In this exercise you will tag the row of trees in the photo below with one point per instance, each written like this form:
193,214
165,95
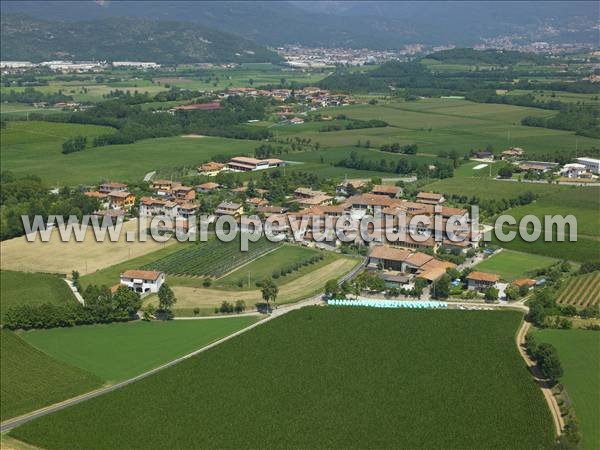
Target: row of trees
74,144
396,147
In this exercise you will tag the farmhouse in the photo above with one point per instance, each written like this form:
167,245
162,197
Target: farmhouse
207,188
184,193
537,166
211,169
121,199
150,206
143,281
481,281
385,189
523,282
188,209
484,155
229,209
246,164
296,121
430,198
164,187
513,152
106,188
574,170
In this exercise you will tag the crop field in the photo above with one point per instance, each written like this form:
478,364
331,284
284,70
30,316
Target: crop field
118,351
36,148
308,284
511,265
213,258
19,288
582,202
30,379
579,353
581,291
438,124
558,96
584,249
362,378
486,189
62,257
286,256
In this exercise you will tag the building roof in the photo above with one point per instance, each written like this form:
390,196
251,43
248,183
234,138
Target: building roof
371,200
523,282
119,194
246,160
151,275
229,205
386,189
389,253
209,185
95,194
211,166
113,186
162,182
483,276
430,196
316,200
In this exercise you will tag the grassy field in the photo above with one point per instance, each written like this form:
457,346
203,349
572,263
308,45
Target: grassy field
118,351
63,257
305,286
439,124
19,288
582,250
579,353
512,265
581,291
31,379
354,378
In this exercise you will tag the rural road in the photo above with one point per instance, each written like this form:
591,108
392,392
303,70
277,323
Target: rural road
149,175
559,423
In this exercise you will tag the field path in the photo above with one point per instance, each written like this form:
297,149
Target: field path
559,423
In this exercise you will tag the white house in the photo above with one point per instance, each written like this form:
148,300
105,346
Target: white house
143,281
574,170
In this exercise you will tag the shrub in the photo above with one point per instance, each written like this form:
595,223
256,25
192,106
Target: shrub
207,282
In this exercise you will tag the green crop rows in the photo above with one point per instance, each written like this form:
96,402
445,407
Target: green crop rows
213,258
327,377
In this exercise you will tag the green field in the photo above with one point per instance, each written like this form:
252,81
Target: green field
31,379
20,288
212,258
584,249
352,378
118,351
511,265
285,256
579,353
438,124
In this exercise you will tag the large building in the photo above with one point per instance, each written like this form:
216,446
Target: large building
246,164
591,164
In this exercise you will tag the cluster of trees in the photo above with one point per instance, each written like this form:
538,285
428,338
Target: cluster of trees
582,120
396,147
133,123
29,196
173,94
284,271
354,124
74,144
492,57
401,166
101,306
226,307
491,207
546,357
29,95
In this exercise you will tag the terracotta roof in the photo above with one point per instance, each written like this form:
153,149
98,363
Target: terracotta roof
113,185
523,282
418,259
95,194
430,196
210,166
119,194
389,253
371,200
152,275
482,276
386,188
209,185
246,160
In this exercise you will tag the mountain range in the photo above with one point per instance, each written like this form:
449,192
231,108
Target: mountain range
372,24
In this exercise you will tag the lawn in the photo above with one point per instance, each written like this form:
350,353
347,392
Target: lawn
119,351
30,379
354,378
19,288
579,353
511,265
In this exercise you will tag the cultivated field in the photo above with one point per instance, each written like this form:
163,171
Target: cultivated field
212,258
31,379
360,378
511,265
18,288
581,291
118,351
305,286
63,257
579,353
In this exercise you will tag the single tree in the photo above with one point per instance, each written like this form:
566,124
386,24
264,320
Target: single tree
331,288
166,297
269,291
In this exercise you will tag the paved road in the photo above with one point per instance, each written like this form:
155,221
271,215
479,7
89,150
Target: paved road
149,175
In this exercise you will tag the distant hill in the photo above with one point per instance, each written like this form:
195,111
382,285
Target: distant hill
373,24
119,39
